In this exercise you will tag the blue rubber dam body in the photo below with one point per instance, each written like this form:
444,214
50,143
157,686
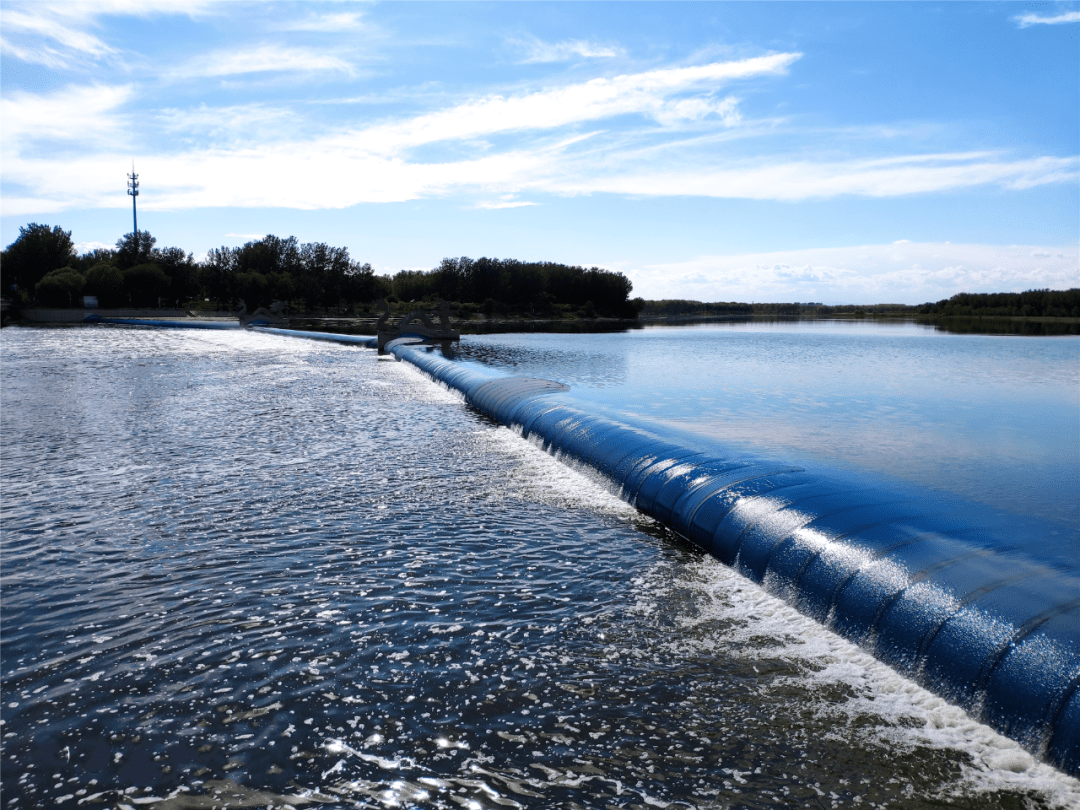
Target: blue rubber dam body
944,593
937,592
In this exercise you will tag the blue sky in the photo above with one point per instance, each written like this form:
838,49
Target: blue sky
841,152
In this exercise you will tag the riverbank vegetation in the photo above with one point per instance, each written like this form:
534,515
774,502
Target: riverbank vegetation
1064,304
42,268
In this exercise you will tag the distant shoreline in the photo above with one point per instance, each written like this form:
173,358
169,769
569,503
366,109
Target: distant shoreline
1033,325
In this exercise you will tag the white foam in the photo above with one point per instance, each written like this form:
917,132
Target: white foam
911,716
437,394
539,477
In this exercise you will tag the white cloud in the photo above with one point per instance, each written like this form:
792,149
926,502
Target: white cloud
637,93
328,23
1026,20
259,156
539,52
46,38
493,206
800,180
905,273
82,116
299,175
89,9
262,59
337,172
222,125
86,247
55,34
696,109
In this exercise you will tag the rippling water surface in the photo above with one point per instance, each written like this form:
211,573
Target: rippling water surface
249,571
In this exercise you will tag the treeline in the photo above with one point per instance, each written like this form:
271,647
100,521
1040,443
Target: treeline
275,269
677,307
1033,303
536,288
42,267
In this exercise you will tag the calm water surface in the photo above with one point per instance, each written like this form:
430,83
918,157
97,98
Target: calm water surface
994,419
252,571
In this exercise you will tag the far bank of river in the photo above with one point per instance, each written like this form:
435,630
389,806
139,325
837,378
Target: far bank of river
1027,326
1037,326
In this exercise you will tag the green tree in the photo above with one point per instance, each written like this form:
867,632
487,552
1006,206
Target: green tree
309,288
95,257
135,248
253,288
362,285
61,288
330,266
107,283
282,287
182,272
37,252
216,275
145,284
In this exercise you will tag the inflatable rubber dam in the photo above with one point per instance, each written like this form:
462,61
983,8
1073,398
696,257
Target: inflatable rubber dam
964,604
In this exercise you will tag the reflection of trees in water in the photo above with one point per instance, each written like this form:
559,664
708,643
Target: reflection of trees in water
1006,326
575,367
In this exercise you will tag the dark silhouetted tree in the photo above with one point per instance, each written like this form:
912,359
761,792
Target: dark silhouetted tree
254,289
182,272
38,251
135,248
216,275
145,284
107,283
95,257
61,288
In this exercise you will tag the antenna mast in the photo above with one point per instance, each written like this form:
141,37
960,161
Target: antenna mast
133,190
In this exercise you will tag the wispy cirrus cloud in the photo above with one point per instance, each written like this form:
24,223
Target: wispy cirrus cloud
537,51
267,58
89,9
1027,20
327,173
82,116
220,126
463,149
506,202
776,178
46,38
653,93
323,23
59,35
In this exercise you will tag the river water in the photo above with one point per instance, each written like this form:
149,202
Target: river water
252,571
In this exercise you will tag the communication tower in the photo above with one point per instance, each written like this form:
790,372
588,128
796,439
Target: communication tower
133,190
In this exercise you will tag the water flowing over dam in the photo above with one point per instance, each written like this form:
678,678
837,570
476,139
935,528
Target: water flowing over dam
261,567
955,602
